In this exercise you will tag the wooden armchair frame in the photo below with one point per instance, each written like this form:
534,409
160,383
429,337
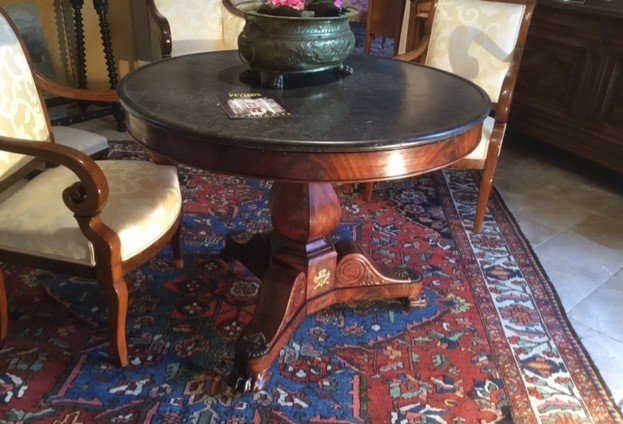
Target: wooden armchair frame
86,199
164,35
46,84
500,109
384,19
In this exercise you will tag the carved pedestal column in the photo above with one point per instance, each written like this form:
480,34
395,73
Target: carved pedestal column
302,272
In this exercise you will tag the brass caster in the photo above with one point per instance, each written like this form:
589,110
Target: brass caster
416,302
274,81
242,382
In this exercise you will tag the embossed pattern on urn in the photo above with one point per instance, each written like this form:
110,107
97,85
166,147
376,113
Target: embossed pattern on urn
278,45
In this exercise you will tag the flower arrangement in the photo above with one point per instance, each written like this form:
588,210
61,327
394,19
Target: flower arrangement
304,8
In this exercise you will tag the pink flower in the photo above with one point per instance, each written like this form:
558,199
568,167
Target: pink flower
294,4
337,3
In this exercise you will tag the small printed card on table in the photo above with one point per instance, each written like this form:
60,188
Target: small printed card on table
251,105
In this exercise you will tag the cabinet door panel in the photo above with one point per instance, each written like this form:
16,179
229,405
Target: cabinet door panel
570,86
555,86
612,109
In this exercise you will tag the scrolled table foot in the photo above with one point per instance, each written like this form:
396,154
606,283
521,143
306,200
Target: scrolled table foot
358,277
249,347
279,311
252,346
252,250
344,70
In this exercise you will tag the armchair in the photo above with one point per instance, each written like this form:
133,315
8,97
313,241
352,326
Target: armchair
482,41
192,26
92,219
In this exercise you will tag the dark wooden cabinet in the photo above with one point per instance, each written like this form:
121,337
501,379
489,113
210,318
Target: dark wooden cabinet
570,86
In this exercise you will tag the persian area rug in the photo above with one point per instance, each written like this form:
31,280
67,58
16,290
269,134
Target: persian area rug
491,344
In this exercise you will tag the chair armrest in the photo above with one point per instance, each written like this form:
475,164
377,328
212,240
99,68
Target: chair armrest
503,106
231,7
416,53
166,42
85,198
47,84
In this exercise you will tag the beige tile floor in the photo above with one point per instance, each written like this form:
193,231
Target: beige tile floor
572,214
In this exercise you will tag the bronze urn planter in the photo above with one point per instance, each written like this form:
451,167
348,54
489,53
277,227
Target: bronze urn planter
278,45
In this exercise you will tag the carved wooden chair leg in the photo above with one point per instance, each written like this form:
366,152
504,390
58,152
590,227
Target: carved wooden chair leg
176,246
483,200
117,296
4,309
486,184
368,188
396,46
368,46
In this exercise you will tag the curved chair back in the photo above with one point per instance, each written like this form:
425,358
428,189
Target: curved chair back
200,25
233,23
476,40
22,113
193,19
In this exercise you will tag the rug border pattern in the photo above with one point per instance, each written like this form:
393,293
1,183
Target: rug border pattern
583,390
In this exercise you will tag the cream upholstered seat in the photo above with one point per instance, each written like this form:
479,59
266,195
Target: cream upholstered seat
194,26
87,142
96,219
482,41
144,202
480,152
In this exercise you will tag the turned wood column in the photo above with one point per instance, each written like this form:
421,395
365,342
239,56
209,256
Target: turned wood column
81,67
101,7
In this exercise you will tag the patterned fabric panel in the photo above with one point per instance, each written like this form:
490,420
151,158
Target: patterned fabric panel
475,39
193,19
182,47
232,27
480,152
143,204
87,142
21,112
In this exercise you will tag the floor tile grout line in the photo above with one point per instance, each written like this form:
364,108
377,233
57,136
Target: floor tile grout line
596,330
603,283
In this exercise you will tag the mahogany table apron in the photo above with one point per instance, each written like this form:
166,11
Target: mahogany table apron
388,120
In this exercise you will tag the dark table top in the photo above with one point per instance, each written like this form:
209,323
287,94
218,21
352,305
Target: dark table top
385,105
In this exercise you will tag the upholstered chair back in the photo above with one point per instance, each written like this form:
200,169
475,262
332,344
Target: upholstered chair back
232,27
193,19
475,39
22,113
200,25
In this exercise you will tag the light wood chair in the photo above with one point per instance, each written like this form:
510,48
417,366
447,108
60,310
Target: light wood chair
92,219
192,26
482,41
384,20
